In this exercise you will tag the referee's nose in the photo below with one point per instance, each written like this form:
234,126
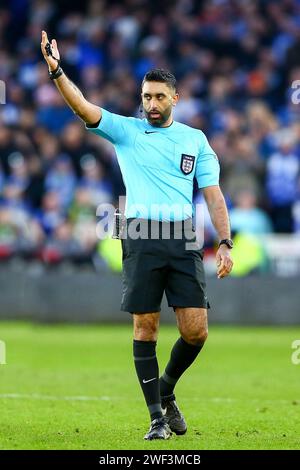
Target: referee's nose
153,105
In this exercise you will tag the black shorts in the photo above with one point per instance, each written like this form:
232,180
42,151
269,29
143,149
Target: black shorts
152,266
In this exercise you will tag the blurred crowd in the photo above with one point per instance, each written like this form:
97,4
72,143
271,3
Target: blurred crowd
235,61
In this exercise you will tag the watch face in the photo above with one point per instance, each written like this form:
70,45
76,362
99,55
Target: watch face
227,242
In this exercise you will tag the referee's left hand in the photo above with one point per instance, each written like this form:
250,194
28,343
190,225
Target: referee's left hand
224,261
52,60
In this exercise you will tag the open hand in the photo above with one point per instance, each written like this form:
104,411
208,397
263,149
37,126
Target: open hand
52,61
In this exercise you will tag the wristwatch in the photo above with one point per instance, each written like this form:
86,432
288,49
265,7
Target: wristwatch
228,242
56,73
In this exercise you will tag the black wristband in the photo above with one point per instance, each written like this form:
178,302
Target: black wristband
228,242
56,73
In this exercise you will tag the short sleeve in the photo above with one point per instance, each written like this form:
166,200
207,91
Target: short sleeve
207,167
111,127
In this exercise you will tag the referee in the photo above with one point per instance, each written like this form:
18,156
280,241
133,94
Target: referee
159,159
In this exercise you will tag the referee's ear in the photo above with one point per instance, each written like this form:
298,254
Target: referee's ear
175,99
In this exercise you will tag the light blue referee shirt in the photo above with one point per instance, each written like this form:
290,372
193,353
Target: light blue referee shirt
158,165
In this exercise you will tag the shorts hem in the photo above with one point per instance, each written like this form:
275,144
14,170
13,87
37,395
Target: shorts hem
140,311
206,306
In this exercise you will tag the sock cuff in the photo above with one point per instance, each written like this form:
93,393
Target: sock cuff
137,341
190,347
144,348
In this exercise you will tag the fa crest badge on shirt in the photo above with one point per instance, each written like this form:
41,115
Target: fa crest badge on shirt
187,163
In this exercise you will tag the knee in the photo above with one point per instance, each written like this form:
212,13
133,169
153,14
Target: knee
145,330
195,337
145,333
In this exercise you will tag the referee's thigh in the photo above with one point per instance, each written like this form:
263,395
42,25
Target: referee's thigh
144,275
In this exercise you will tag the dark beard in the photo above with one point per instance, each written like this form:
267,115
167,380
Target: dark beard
158,122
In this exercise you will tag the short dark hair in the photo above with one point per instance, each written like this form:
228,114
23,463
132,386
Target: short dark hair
160,75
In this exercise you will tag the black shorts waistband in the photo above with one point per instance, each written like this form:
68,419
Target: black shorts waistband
158,228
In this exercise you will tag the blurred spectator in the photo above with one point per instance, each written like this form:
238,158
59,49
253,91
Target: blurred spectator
35,187
243,169
63,246
246,217
18,171
17,236
51,213
82,215
93,180
61,179
283,181
82,208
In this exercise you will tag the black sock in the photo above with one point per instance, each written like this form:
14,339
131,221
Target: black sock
183,355
146,366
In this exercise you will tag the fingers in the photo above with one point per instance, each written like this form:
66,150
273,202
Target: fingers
219,260
54,48
44,42
44,38
222,271
224,267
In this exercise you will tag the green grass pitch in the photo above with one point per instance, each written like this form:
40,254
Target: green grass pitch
74,387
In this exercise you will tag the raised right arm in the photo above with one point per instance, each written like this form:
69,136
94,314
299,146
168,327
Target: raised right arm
88,112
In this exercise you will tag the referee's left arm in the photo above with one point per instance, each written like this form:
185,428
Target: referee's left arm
219,215
207,174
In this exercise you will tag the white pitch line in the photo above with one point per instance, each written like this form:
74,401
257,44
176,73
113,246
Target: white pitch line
252,400
38,396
